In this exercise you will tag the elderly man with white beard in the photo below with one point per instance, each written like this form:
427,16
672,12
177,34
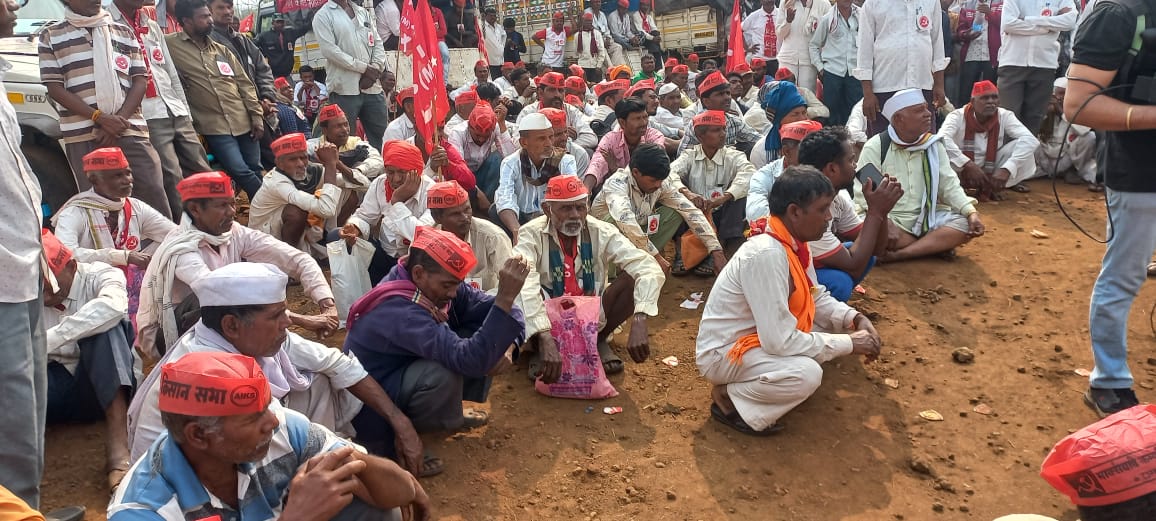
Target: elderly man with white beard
570,254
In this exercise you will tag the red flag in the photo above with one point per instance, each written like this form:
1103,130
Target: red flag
405,40
246,25
430,98
481,40
736,51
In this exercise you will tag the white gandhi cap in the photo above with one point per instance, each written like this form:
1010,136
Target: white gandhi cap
242,284
901,100
667,89
534,121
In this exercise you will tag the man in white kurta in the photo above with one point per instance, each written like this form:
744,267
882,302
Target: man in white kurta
1077,162
613,49
761,351
395,202
795,24
484,141
295,190
449,205
358,164
524,174
968,135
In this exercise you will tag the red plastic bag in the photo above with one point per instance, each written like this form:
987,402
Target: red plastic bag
1107,462
574,326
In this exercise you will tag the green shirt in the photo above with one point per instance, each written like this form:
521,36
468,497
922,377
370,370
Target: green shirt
644,76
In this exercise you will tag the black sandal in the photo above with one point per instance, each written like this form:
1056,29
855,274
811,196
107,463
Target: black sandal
677,268
431,466
611,363
735,421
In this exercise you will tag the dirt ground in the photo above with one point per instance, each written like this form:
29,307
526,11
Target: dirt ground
857,450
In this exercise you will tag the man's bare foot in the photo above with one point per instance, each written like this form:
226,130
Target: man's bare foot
719,395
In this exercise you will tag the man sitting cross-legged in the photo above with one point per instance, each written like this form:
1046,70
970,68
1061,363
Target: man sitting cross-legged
571,254
208,238
296,190
839,265
648,208
432,341
231,452
244,312
358,163
89,341
934,215
449,205
761,351
988,146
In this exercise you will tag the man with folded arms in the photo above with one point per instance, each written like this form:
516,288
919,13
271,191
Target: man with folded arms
763,352
296,190
571,254
229,449
358,164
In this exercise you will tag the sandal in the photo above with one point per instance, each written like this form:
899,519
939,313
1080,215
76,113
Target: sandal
735,421
117,474
535,366
1019,188
1096,187
474,418
677,268
611,363
431,466
704,270
1152,269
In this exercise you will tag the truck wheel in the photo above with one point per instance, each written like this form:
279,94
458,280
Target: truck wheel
53,172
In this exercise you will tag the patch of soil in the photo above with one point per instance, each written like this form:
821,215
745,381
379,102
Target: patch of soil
857,450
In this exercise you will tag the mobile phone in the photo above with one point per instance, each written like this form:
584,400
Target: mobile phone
869,171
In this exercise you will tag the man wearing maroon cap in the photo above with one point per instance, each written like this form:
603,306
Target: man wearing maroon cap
988,146
432,341
230,449
553,42
297,190
552,93
566,240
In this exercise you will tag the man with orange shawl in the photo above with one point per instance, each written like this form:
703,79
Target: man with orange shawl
763,353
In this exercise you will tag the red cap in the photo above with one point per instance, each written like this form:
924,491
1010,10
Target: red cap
56,253
743,69
712,81
647,84
213,383
451,253
680,69
559,16
624,4
104,159
483,118
692,58
783,73
289,144
508,66
280,83
552,79
520,65
406,94
467,98
799,129
403,155
758,62
206,185
574,100
670,63
446,194
710,118
577,72
588,16
557,117
611,86
1108,462
482,63
575,85
329,112
983,88
563,188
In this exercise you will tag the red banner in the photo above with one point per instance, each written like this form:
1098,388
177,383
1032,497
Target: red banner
246,25
736,51
289,6
405,40
430,98
481,40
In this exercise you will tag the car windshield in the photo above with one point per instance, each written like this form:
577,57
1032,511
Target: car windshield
35,14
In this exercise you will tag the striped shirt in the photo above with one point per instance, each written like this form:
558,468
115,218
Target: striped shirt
163,485
66,57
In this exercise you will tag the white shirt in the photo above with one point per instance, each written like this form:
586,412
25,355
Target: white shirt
278,191
668,119
514,193
85,231
495,38
727,172
638,17
844,221
503,143
170,92
1010,129
621,26
754,33
350,46
835,45
398,221
795,37
857,124
388,19
1031,29
323,91
759,190
96,303
750,296
554,47
895,52
599,22
587,59
20,214
400,129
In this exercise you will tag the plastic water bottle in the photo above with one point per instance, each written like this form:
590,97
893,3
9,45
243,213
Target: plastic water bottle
980,19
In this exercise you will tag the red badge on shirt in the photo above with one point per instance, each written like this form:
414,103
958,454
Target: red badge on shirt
132,243
924,22
158,56
121,63
1046,12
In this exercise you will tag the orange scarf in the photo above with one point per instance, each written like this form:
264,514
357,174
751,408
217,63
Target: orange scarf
800,302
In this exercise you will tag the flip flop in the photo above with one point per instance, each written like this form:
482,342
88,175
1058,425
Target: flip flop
735,421
703,270
611,363
474,418
678,269
115,476
1096,187
431,466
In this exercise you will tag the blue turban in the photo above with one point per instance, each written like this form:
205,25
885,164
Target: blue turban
781,97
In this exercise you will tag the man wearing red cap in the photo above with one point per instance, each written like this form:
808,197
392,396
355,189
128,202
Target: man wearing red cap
591,47
402,127
600,24
714,94
815,108
760,37
230,448
502,79
494,37
576,94
566,240
524,174
648,207
669,112
89,339
296,190
449,205
563,143
553,42
647,28
481,77
432,341
209,238
395,203
484,141
609,93
647,91
358,163
464,103
790,135
617,146
104,223
679,76
622,28
552,93
649,70
715,178
988,146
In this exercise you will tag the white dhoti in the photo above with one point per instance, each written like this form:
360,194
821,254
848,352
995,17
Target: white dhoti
1079,156
614,51
765,387
326,405
1026,169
